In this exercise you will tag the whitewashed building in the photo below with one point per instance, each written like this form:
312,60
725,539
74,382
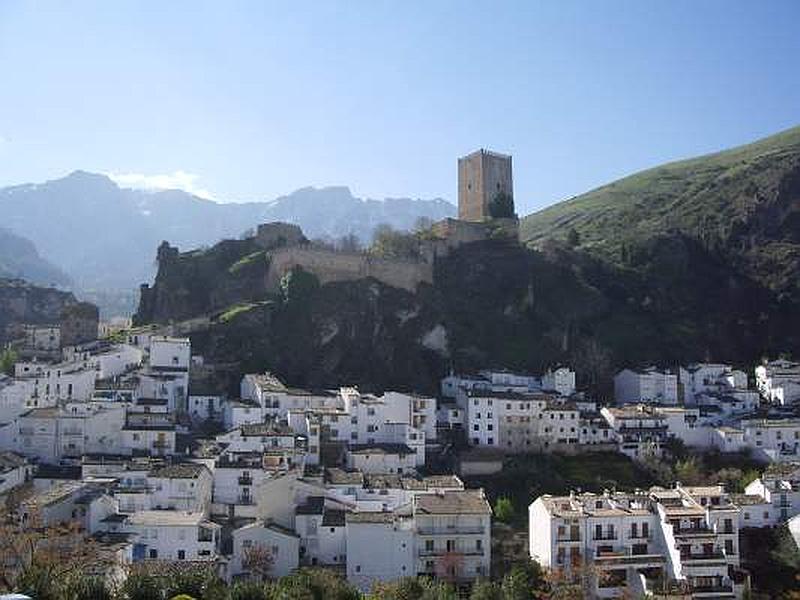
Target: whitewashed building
779,381
651,386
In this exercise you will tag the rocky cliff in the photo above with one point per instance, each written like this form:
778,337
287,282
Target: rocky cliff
24,303
492,303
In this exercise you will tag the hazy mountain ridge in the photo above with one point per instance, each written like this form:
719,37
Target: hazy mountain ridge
105,236
19,258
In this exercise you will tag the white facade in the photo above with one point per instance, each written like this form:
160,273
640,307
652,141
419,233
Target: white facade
253,543
779,381
382,458
686,535
648,385
170,535
640,430
380,547
704,378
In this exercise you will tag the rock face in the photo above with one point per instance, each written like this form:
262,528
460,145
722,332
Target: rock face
24,303
492,303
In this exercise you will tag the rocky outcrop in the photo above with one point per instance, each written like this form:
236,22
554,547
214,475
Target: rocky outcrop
24,303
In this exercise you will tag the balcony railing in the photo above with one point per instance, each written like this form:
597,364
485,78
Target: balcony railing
717,555
443,551
456,530
606,536
701,530
246,500
161,444
245,480
568,538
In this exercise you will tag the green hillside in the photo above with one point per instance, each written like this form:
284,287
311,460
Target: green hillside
742,204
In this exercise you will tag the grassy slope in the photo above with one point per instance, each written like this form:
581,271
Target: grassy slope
703,197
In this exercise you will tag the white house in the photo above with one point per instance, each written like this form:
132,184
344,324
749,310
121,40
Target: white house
380,547
640,430
779,381
647,385
169,534
453,534
704,378
265,546
15,470
381,458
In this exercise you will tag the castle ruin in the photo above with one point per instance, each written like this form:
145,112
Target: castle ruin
485,210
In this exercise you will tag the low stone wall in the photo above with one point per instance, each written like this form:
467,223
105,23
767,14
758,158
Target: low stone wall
329,266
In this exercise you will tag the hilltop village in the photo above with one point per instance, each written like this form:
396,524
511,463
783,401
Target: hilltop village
117,436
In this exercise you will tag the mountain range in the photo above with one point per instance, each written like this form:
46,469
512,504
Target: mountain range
104,236
19,258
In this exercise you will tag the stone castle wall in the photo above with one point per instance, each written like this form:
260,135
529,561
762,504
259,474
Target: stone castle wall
329,266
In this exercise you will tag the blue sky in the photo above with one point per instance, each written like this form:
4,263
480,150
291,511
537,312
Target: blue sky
251,100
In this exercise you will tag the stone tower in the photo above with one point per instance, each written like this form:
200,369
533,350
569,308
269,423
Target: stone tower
482,177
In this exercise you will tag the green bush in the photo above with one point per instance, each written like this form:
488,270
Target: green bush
504,510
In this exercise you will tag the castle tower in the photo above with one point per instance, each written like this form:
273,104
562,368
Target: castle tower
485,186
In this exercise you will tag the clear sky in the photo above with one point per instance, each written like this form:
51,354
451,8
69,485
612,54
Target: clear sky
251,100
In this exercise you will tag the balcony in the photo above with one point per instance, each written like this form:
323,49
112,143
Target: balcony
456,530
245,500
245,480
567,538
704,558
606,537
442,551
161,444
703,530
72,433
625,557
711,591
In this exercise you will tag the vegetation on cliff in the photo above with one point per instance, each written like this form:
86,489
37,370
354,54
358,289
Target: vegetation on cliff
742,205
691,261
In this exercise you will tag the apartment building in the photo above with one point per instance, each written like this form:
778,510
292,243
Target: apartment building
686,538
640,430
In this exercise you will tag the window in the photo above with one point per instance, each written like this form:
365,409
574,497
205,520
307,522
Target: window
153,553
428,545
490,441
181,554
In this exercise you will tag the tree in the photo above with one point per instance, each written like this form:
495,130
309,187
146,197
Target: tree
526,580
39,559
573,238
315,584
250,590
258,560
486,590
504,510
501,206
298,285
422,224
688,472
349,243
7,359
387,242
